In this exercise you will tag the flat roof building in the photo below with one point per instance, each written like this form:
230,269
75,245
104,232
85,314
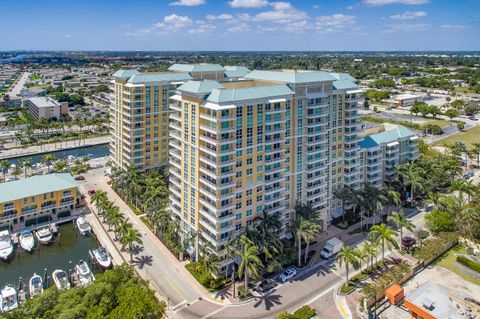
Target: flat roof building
33,199
46,108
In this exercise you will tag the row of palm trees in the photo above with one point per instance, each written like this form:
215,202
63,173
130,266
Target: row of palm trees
124,231
381,237
49,160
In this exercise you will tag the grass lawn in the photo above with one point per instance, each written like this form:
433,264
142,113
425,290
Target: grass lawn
468,137
448,261
439,122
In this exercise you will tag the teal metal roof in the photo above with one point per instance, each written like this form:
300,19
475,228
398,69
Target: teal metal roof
344,84
202,67
291,76
343,76
393,133
158,77
125,74
35,185
236,71
200,87
248,93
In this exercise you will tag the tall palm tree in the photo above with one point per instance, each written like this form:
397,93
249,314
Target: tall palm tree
476,151
411,177
463,187
98,198
393,199
348,256
345,195
131,237
5,165
17,172
386,235
401,221
26,163
437,200
60,166
307,212
48,159
305,230
369,250
250,264
121,229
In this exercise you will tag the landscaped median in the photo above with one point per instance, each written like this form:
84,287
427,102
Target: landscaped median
305,312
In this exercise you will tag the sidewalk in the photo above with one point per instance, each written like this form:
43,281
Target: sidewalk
33,150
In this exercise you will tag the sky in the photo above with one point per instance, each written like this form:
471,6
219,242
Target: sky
240,25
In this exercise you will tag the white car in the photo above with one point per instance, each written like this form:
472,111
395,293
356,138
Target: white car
288,274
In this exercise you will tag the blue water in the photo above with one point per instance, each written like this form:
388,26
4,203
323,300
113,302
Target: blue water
94,151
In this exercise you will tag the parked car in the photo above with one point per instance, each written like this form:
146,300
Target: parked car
265,285
91,192
288,274
468,175
79,178
473,118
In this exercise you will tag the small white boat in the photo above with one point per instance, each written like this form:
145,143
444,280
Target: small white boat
85,275
102,257
83,226
6,246
35,285
26,240
8,299
44,235
60,278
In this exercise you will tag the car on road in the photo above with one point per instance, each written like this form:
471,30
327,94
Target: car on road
79,178
91,192
468,175
288,274
473,118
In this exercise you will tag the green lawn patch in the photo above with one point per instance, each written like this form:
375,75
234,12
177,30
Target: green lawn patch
469,263
448,261
347,289
468,137
305,312
439,122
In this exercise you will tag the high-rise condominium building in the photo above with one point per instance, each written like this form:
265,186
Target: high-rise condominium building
140,113
262,144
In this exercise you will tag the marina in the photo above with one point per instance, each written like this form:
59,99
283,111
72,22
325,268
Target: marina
65,261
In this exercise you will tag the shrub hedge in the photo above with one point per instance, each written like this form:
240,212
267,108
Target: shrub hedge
468,263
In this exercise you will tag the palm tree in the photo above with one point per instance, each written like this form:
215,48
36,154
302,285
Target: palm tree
386,235
305,230
411,177
463,187
369,250
5,165
48,159
307,212
437,200
345,195
348,256
401,221
122,228
17,172
98,198
250,265
131,237
26,163
476,151
60,166
393,199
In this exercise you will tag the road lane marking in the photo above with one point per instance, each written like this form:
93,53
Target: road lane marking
213,313
171,284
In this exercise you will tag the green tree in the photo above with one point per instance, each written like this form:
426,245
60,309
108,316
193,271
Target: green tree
60,166
401,221
26,163
131,237
348,256
386,235
48,160
439,221
476,151
250,264
460,126
452,113
5,165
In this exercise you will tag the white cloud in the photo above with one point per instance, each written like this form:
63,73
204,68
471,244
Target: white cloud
283,12
452,27
335,22
223,16
404,27
67,36
243,27
409,15
384,2
248,3
188,3
350,7
202,27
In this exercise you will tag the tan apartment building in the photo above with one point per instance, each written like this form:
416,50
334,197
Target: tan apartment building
241,148
45,107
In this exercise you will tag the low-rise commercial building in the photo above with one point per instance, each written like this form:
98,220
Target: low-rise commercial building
382,149
37,199
46,108
404,100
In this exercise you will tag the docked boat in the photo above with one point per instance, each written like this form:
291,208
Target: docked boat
6,246
26,240
60,278
35,285
85,275
102,257
44,235
83,226
8,299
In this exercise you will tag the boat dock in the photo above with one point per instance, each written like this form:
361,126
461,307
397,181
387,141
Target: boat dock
105,240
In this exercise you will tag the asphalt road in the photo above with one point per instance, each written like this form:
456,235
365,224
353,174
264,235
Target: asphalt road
19,85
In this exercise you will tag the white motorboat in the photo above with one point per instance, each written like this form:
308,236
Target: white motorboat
8,298
44,235
35,285
83,226
85,275
6,246
26,240
60,278
102,257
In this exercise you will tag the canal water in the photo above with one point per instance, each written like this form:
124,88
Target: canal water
93,151
67,250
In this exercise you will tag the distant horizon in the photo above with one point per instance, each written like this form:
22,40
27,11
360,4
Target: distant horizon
243,51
